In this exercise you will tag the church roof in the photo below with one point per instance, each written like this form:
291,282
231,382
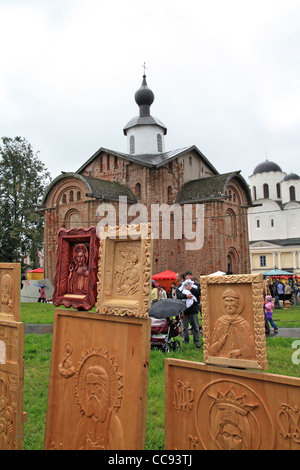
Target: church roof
266,167
291,176
144,121
150,160
97,188
209,189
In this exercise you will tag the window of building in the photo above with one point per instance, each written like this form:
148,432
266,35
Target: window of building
100,164
292,193
108,158
116,162
254,193
272,222
230,223
159,143
262,261
278,190
257,223
132,144
78,196
266,191
64,199
71,196
138,190
190,161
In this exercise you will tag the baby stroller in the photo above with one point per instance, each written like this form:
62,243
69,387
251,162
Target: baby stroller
164,332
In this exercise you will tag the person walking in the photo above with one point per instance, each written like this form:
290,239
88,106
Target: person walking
269,306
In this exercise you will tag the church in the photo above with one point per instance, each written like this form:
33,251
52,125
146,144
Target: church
150,175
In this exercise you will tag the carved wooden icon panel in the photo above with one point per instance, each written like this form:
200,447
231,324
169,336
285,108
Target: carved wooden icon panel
98,382
11,384
125,269
233,321
217,408
10,285
75,281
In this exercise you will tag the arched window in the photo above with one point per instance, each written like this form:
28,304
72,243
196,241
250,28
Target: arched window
230,223
266,191
138,190
292,193
132,144
159,143
72,219
71,196
64,199
78,196
278,190
254,193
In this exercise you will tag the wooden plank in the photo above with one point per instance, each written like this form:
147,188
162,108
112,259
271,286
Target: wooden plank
11,384
10,291
98,381
218,408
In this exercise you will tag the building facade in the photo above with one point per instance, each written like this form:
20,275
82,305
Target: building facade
274,219
180,184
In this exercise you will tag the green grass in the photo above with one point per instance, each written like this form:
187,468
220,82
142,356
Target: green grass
37,356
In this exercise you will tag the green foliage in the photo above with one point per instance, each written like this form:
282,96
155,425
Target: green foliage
23,179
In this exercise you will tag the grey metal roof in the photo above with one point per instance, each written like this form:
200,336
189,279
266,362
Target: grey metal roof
209,188
151,160
144,121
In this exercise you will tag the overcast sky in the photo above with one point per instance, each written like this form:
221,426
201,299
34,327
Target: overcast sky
225,74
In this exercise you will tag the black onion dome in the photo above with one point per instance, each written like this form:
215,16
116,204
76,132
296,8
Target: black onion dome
144,97
266,167
291,176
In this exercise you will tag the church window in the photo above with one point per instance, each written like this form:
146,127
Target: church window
138,190
159,143
71,196
101,164
132,144
230,223
116,162
272,222
72,219
170,166
257,223
254,193
278,190
107,162
292,193
266,191
190,161
78,196
64,199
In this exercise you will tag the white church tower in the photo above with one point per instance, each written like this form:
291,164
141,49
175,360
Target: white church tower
145,133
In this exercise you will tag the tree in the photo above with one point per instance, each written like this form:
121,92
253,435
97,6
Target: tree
23,180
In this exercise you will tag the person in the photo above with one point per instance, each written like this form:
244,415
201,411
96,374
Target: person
42,292
162,293
269,312
173,290
154,293
288,292
190,315
275,294
280,290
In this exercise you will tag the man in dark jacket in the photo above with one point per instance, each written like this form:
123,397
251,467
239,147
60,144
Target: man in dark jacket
190,315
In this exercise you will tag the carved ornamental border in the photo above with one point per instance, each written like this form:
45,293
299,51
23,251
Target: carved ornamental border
10,291
125,270
259,359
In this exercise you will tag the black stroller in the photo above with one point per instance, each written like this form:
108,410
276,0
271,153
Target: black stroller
164,327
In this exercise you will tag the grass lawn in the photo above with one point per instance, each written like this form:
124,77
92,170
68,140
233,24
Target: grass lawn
37,355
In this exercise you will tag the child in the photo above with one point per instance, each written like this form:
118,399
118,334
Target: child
269,312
